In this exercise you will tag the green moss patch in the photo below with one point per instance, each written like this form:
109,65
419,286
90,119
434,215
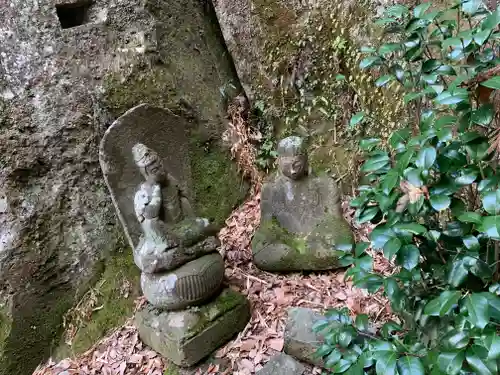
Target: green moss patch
115,291
218,188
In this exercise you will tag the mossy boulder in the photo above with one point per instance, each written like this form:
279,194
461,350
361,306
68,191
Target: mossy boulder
188,336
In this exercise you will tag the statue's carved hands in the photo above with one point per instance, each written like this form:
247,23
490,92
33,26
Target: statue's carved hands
151,211
140,202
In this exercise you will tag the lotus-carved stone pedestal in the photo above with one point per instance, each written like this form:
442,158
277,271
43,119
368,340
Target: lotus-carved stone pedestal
189,314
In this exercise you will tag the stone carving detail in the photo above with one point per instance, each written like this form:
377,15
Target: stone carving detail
173,240
172,235
301,218
189,314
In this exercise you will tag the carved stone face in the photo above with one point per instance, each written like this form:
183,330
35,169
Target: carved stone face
293,167
149,163
154,172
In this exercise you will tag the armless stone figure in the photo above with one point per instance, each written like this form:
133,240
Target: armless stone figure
301,226
177,252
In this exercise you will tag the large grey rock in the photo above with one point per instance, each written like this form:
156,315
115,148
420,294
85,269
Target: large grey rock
191,284
282,364
60,88
186,337
301,341
301,219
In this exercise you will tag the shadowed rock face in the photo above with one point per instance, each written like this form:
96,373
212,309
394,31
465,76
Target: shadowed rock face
61,86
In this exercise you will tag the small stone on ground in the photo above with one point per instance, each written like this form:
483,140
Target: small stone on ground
300,339
282,364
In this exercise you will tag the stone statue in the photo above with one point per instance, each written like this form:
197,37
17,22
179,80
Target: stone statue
301,226
173,240
189,313
172,235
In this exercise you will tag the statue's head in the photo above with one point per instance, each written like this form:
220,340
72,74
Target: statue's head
149,162
292,157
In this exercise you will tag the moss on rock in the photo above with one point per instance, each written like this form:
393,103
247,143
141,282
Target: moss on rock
218,188
114,293
276,249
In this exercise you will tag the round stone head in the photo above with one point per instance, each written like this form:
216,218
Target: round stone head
292,157
149,162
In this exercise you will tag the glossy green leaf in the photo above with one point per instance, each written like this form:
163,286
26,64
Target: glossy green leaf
413,228
451,42
491,226
426,157
410,366
382,81
478,310
404,160
440,202
392,247
375,163
414,177
367,49
471,242
447,98
341,366
470,217
478,364
441,305
492,83
492,20
455,339
361,322
491,202
419,10
332,358
417,24
368,144
471,6
484,115
345,338
369,61
430,65
412,96
386,363
492,342
466,177
390,181
458,273
389,48
323,350
356,119
481,36
451,362
408,256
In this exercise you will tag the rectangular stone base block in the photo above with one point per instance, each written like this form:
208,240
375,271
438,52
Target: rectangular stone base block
188,336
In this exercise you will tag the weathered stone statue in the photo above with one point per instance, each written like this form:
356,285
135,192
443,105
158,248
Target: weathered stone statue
189,314
172,235
301,226
171,242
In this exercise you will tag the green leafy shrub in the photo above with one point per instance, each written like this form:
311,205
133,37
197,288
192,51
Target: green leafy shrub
433,194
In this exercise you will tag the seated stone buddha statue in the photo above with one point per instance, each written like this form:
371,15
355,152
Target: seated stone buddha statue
177,252
301,228
172,235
